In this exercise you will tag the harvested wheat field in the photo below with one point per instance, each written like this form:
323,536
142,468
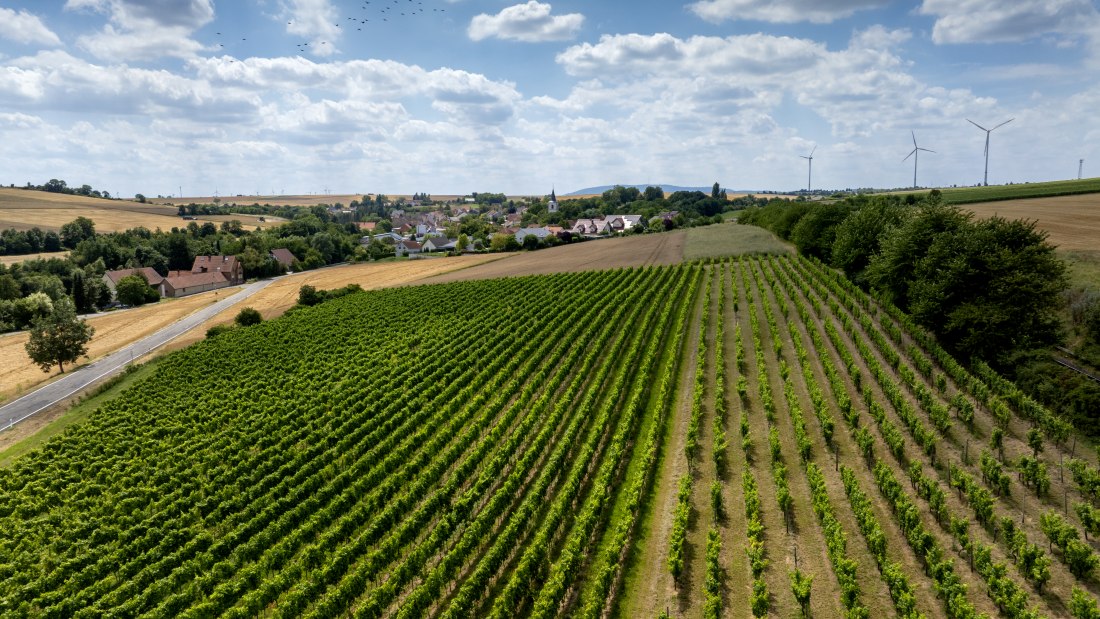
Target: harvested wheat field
1072,221
25,257
283,294
23,209
308,200
112,332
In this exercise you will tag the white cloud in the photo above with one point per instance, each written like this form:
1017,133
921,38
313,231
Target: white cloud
781,11
144,30
990,21
314,20
530,23
139,14
25,28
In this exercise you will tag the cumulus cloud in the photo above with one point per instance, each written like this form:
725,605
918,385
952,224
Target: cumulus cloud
992,21
138,14
145,29
781,11
25,28
530,23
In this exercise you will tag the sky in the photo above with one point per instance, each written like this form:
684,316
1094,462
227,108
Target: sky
455,96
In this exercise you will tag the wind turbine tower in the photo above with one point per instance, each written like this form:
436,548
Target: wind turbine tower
810,174
915,154
1080,168
985,179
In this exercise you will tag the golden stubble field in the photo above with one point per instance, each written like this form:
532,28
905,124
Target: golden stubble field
1073,222
22,210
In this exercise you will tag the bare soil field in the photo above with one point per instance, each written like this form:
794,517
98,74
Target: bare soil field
627,251
25,257
1073,222
22,210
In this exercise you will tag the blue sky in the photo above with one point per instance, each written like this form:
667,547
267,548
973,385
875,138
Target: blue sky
454,96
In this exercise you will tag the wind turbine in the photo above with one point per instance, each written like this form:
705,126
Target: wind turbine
810,174
915,154
985,180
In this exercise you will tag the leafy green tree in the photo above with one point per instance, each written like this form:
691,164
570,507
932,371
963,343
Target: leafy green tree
309,295
134,290
716,191
858,237
248,317
9,288
815,233
76,231
990,289
58,338
892,270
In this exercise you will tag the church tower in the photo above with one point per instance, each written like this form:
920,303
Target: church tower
552,205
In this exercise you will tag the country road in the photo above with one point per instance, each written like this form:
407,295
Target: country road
80,378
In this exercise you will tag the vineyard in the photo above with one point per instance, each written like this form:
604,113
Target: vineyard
748,437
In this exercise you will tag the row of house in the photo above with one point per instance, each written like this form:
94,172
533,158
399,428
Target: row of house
611,224
207,273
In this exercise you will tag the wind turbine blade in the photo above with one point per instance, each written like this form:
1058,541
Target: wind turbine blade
977,125
813,151
914,139
1003,124
805,157
911,153
926,150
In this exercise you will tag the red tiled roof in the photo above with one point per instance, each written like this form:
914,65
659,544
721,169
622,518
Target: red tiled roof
151,275
284,256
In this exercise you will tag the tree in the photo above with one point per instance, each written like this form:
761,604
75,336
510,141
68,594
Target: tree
859,235
308,295
248,317
716,191
134,290
140,198
462,243
76,231
530,242
58,338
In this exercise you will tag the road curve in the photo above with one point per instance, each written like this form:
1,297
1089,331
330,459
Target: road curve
79,379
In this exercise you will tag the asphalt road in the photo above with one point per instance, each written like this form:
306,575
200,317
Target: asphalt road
79,379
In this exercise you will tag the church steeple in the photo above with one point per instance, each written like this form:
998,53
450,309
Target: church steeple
553,196
552,205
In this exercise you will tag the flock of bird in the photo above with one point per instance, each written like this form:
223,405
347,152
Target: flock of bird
384,12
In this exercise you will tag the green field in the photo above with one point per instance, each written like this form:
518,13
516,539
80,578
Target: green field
993,193
604,443
731,239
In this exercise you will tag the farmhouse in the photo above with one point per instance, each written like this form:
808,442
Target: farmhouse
283,256
406,247
228,266
183,283
111,278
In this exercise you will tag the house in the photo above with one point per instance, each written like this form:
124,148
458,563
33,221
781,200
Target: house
384,237
406,247
368,226
228,266
439,244
284,256
590,227
111,278
183,283
539,233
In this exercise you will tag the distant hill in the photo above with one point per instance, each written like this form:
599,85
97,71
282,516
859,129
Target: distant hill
667,189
